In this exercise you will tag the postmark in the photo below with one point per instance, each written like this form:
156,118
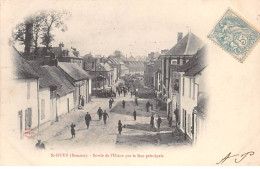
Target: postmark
29,133
233,34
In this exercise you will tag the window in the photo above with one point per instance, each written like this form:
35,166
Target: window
183,86
28,90
190,88
42,109
174,62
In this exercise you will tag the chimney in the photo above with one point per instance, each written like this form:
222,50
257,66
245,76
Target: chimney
179,36
61,45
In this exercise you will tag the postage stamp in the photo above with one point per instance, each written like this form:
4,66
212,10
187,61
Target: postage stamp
235,35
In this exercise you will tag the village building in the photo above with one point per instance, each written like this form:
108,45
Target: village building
24,84
179,54
81,81
135,67
189,94
152,65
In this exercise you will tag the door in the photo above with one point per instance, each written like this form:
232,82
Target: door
194,127
68,104
20,114
185,123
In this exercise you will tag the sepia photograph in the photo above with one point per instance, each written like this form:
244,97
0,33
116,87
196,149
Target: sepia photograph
130,82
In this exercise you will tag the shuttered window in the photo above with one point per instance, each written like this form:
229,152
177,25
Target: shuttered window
28,118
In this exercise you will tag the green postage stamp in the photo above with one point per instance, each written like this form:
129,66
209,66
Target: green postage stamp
234,35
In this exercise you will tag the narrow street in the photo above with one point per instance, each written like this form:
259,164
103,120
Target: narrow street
135,133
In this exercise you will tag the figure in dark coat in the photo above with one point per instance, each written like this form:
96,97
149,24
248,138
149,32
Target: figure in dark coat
152,121
72,126
39,145
88,119
147,106
159,121
110,103
120,127
82,101
105,116
100,112
123,104
136,101
170,121
134,113
131,93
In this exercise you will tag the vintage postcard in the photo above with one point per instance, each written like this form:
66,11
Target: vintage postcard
126,83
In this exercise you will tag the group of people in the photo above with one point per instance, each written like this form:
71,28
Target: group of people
102,114
122,90
154,121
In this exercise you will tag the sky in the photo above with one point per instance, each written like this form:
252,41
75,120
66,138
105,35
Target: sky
133,27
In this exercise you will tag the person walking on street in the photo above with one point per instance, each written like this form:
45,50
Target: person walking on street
134,113
82,101
72,126
105,116
120,127
159,121
170,121
124,92
131,93
152,121
136,101
88,119
123,104
147,106
110,103
100,112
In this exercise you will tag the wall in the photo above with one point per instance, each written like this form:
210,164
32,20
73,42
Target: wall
62,104
188,101
44,105
20,102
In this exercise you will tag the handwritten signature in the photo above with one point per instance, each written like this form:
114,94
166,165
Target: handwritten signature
238,159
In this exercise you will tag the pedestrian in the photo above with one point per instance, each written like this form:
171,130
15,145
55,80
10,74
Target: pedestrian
88,119
136,101
119,92
159,121
134,113
105,116
110,103
39,145
72,126
82,101
124,92
120,127
170,121
147,106
131,93
123,104
152,121
100,112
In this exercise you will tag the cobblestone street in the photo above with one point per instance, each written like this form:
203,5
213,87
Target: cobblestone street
135,133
